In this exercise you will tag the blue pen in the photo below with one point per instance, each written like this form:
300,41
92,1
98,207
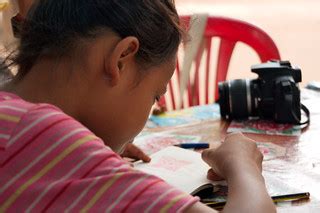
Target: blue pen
193,145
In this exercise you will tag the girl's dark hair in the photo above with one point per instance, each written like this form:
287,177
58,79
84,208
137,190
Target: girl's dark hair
54,28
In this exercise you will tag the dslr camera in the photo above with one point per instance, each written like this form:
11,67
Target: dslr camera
274,95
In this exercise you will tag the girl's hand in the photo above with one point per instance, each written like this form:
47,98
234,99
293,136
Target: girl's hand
235,155
132,151
239,161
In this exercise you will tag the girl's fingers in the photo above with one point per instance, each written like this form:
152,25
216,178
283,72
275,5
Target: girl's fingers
132,151
211,175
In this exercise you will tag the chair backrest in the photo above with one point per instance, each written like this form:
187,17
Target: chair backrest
230,31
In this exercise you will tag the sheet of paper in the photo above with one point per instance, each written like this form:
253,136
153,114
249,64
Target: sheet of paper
181,168
271,151
186,170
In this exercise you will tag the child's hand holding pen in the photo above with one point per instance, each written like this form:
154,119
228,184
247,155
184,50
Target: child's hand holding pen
239,162
235,152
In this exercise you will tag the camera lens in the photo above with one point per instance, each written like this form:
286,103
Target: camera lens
235,99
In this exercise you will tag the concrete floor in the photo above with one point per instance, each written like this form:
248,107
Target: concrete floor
294,25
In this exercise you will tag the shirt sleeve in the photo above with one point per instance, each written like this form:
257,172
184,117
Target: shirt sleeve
123,189
110,184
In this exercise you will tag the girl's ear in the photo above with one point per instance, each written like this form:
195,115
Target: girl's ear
122,56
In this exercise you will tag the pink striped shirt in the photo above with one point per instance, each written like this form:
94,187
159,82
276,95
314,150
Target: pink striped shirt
50,162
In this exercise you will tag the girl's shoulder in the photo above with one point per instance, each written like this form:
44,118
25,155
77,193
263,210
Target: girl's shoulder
13,105
21,120
70,166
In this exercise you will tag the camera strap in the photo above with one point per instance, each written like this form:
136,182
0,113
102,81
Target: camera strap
307,112
289,103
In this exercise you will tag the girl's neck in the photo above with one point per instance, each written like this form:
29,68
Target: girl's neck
42,85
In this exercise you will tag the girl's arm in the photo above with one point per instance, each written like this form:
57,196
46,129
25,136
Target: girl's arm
247,193
239,162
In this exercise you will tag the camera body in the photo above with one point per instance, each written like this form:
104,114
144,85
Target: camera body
273,95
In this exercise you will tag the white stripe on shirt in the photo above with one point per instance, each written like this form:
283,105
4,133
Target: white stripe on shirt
43,154
13,108
93,183
34,123
4,136
154,203
126,192
68,175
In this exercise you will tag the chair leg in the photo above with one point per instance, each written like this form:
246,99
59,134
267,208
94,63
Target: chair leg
225,52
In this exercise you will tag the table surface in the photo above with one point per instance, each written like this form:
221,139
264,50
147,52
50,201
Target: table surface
298,167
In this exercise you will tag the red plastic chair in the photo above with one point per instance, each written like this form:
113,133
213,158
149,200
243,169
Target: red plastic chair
230,32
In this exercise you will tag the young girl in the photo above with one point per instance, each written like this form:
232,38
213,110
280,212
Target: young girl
88,74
